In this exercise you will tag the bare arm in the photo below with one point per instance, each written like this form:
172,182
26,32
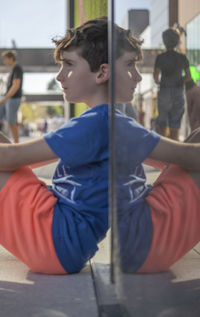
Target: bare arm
13,89
185,155
13,156
156,74
187,75
189,98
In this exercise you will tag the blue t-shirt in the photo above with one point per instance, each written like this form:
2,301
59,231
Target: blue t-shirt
80,182
133,145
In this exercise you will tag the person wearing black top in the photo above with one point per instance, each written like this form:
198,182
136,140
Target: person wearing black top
12,99
170,65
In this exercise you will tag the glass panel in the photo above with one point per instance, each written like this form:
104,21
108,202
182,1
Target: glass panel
85,10
140,242
193,47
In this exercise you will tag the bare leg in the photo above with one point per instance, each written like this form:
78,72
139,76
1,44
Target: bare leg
161,131
14,131
174,134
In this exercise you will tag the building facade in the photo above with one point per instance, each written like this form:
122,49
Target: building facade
159,21
170,12
80,11
189,18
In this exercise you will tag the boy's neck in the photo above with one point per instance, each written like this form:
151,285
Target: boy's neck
171,49
97,103
98,99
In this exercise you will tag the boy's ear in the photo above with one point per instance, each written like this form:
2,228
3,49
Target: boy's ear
103,74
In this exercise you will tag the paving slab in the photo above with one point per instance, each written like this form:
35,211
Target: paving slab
27,294
107,300
174,293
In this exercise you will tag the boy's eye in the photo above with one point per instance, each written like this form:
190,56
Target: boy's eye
68,63
131,64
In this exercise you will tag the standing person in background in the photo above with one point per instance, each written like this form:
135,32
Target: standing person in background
129,109
12,98
193,104
170,66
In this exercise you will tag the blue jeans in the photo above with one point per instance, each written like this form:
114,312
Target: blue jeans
9,110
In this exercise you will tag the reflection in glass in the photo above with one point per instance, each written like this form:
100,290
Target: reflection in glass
152,230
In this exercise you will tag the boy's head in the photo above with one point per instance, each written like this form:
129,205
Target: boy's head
9,57
84,72
91,41
171,38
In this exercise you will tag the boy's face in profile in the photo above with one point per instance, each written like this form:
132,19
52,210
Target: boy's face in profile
126,76
76,78
79,82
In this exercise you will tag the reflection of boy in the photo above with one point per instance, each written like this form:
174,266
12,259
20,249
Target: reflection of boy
56,229
170,64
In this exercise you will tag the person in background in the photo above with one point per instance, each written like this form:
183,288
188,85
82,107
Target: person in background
12,98
170,65
129,109
193,104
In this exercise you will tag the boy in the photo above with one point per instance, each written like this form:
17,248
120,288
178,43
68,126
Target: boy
56,229
12,99
170,65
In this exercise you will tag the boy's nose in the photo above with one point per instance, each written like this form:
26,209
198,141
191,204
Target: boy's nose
139,77
58,77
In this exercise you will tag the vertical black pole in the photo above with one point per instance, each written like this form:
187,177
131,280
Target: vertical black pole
71,13
112,168
70,24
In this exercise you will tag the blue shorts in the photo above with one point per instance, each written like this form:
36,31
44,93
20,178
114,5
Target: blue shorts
170,107
9,110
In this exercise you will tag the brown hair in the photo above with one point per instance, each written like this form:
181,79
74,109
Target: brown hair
171,37
91,40
9,54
